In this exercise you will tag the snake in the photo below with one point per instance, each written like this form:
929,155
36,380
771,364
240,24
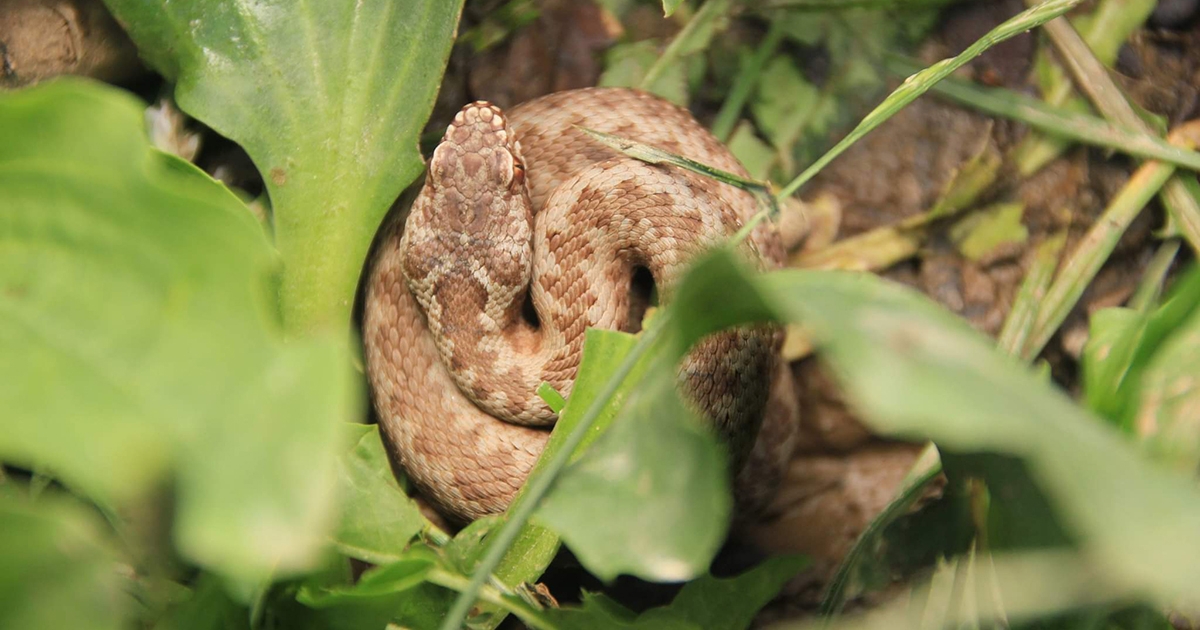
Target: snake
526,232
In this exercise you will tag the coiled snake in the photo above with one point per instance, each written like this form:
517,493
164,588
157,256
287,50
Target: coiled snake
527,204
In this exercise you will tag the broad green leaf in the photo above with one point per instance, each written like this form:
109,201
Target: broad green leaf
602,613
651,497
1010,509
753,153
328,98
388,579
1122,342
1167,416
864,565
728,603
56,571
139,335
463,551
392,593
787,104
706,602
915,370
378,518
981,232
1113,338
625,65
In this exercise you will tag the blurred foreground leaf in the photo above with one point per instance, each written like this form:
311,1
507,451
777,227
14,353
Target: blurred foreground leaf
915,370
55,569
139,336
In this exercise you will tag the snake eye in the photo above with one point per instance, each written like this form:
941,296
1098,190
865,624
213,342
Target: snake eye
518,173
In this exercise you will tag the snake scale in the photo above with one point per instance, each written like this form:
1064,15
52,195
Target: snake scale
524,207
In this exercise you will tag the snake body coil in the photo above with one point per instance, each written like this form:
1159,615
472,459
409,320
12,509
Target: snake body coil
527,205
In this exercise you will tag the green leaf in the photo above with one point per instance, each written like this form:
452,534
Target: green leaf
728,603
981,232
328,98
392,593
208,607
866,565
463,551
787,104
389,579
754,154
707,602
1168,413
1121,344
915,370
625,65
624,507
1113,338
136,325
378,518
56,571
983,590
670,6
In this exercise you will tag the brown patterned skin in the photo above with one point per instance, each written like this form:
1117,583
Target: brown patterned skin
528,204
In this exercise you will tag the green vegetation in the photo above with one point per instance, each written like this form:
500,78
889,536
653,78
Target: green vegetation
182,421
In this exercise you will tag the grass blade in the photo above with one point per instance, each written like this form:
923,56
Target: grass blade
1093,78
1019,324
1056,121
1099,242
922,81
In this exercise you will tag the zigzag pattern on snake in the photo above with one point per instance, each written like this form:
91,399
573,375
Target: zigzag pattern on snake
525,206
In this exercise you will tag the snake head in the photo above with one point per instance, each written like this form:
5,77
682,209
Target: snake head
477,166
469,232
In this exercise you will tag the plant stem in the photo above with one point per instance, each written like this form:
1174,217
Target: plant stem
1019,324
1106,28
